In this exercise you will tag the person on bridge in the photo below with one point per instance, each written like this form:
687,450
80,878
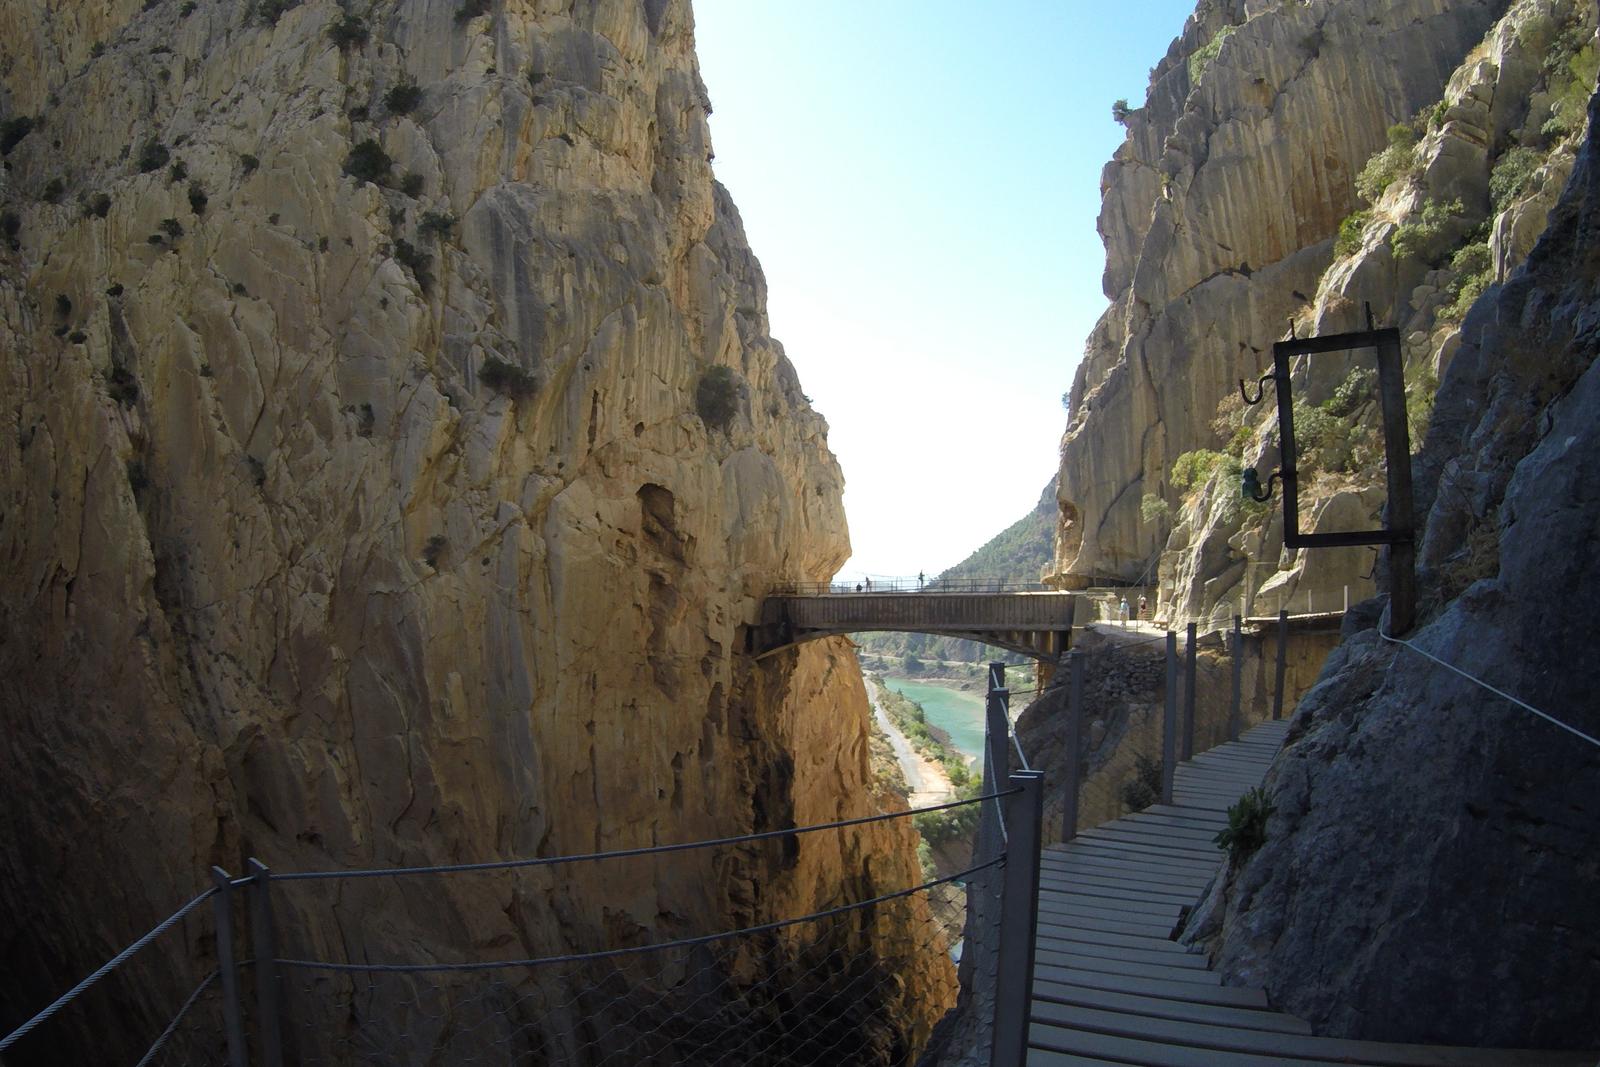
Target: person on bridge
1144,604
869,585
919,581
1122,612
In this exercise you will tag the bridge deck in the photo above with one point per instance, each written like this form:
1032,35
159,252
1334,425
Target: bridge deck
1110,988
1034,623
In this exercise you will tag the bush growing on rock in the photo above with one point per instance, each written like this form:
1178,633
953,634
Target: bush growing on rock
1201,57
470,10
507,379
348,32
1428,238
368,162
270,11
1247,826
1389,165
716,398
1511,174
1192,469
12,131
436,224
1153,509
1350,231
1120,111
402,99
153,156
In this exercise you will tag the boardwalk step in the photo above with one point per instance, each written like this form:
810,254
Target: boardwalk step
1167,1008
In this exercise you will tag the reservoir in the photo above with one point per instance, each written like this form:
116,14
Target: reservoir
957,713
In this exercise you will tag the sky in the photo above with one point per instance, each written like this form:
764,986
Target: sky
920,180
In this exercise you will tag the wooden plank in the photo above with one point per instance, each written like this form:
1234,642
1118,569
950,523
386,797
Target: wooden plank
1191,992
1133,866
1080,917
1159,972
1097,936
1120,891
1167,1008
1194,849
1159,917
1188,813
1143,886
1112,899
1045,1057
1183,838
1180,878
1170,956
1148,1053
1327,1049
1107,843
1205,826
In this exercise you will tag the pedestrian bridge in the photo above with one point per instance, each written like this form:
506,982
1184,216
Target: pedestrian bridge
1029,620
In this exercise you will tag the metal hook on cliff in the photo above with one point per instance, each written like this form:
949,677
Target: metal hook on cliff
1261,389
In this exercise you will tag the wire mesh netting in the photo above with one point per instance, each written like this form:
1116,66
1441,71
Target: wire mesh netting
153,1005
831,990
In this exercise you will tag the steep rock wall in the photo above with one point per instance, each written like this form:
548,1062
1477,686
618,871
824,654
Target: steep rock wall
1217,215
363,523
1428,874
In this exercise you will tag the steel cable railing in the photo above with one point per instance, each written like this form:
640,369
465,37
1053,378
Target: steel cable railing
740,995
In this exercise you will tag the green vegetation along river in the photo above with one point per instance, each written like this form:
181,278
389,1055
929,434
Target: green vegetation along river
956,712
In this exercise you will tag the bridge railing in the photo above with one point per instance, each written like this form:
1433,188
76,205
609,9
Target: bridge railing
879,584
374,965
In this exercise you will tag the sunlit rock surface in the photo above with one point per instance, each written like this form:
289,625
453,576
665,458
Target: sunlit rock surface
363,524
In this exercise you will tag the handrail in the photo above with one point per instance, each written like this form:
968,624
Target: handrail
627,853
687,942
913,585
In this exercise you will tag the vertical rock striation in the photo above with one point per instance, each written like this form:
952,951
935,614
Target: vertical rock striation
358,508
1429,872
1217,216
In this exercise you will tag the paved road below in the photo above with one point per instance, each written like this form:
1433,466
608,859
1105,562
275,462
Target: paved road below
928,782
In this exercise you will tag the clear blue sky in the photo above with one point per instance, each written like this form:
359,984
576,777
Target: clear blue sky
920,180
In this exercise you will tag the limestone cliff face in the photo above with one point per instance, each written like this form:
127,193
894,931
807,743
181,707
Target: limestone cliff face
1429,872
1217,215
1220,216
366,522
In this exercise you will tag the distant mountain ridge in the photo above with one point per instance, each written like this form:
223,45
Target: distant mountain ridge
1016,554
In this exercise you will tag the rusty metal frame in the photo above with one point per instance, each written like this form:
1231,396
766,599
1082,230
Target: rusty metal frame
1400,538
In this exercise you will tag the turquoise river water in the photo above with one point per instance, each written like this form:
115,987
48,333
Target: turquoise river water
957,713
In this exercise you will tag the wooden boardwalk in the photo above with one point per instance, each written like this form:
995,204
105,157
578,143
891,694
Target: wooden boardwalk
1110,987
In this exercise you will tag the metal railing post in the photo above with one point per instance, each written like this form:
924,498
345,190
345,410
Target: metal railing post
265,946
222,911
1169,720
1188,694
1069,771
1013,995
997,676
1237,644
997,737
1283,653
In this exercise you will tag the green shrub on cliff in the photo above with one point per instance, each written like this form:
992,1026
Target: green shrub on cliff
1247,826
1201,57
1428,238
368,162
1350,231
1389,165
508,379
1512,172
1192,469
716,398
